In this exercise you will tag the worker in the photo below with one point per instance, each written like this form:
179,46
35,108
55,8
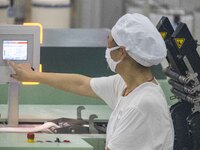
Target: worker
140,118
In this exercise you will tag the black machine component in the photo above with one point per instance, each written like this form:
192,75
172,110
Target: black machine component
186,46
70,126
183,59
179,112
183,71
79,126
76,126
165,28
182,88
173,56
194,128
189,98
172,74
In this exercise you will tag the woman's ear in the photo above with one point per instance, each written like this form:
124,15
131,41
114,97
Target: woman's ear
123,52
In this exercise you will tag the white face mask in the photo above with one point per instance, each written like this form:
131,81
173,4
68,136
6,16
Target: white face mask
111,63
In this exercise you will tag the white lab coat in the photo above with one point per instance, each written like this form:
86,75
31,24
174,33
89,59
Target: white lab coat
139,121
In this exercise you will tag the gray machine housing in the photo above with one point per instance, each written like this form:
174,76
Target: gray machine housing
31,34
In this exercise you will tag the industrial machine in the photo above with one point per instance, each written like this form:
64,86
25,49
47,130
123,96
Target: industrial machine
21,45
184,77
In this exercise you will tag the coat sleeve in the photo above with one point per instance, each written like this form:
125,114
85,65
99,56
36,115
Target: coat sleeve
106,89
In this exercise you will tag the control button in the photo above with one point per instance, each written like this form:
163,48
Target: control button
57,140
38,141
49,141
30,137
66,141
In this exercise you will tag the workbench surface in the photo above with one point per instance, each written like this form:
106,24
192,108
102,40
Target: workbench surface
18,141
42,113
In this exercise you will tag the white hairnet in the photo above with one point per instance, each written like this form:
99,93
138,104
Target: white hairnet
140,37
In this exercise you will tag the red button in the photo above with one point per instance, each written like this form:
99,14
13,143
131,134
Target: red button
66,141
30,135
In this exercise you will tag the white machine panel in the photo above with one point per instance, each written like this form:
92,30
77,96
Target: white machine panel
19,44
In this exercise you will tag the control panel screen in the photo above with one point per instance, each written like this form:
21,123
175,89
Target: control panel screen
15,50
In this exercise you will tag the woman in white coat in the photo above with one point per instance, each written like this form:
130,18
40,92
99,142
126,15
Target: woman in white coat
140,119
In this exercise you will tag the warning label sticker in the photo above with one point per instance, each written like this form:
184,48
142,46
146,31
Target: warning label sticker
179,42
163,34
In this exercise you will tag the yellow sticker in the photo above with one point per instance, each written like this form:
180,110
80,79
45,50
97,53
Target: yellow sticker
179,42
163,34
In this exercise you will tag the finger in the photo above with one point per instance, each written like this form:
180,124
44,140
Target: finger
12,65
14,76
